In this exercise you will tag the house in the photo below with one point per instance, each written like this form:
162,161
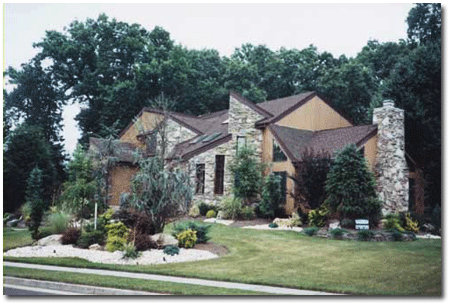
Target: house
279,130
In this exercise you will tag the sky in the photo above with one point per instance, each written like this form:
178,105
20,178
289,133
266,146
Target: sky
335,28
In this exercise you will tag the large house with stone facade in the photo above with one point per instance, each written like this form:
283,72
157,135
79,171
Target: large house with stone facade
279,130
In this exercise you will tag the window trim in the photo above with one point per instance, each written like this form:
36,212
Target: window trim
282,155
218,188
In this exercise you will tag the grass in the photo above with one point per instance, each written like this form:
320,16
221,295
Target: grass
290,259
124,283
15,237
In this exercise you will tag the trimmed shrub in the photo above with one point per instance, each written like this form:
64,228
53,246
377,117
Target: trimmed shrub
273,225
130,251
391,222
204,208
201,230
317,217
211,214
311,231
272,197
142,242
232,208
88,238
187,238
337,233
44,232
171,250
247,213
70,236
365,235
116,236
194,211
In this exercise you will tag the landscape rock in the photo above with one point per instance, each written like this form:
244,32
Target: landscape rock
95,247
50,240
163,240
334,224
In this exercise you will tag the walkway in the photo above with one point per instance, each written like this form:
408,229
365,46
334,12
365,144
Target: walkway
191,281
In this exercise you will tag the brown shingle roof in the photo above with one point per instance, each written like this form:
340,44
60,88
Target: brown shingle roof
295,141
123,151
190,148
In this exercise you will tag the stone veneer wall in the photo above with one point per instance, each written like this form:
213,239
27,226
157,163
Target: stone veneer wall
391,169
176,133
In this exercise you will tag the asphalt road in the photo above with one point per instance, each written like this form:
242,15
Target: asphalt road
13,290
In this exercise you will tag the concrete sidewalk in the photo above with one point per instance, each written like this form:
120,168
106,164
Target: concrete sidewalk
191,281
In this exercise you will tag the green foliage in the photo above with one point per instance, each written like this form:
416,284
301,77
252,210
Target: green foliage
396,235
130,252
311,231
116,236
337,233
211,214
350,187
273,225
194,211
43,232
25,210
247,213
107,215
139,221
232,208
171,250
271,196
70,236
58,222
365,235
391,222
187,238
348,223
309,179
424,23
247,172
162,193
317,217
436,217
409,224
88,238
201,230
34,197
204,208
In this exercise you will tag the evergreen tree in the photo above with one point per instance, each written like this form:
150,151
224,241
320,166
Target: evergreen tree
350,187
34,193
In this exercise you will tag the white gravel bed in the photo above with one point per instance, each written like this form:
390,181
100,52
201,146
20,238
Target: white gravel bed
214,220
147,257
266,227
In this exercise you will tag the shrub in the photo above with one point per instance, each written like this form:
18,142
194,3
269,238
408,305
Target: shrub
232,208
310,177
211,214
58,222
201,230
311,231
396,235
337,233
70,236
116,236
194,211
436,217
88,238
34,197
44,232
410,224
187,238
247,213
350,187
139,221
365,235
295,220
348,223
272,196
391,222
171,250
130,251
273,225
204,208
25,210
107,215
317,217
142,241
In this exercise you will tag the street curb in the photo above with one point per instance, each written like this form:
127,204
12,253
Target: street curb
81,289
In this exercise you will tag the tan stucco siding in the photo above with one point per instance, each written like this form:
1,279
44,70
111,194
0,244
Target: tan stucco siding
314,115
146,121
120,177
285,166
370,152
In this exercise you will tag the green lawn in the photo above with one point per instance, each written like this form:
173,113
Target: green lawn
293,260
15,237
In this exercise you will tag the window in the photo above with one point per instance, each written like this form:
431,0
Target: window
241,142
283,176
200,178
278,154
151,143
219,174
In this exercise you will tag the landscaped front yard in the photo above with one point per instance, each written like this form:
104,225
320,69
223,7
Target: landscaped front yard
291,259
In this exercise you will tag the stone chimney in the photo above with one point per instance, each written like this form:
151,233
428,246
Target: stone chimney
391,168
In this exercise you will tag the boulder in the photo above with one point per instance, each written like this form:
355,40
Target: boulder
163,240
50,240
334,224
95,247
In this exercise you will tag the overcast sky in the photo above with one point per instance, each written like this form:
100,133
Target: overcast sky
335,28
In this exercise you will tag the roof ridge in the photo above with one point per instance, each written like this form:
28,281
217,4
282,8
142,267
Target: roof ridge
212,114
281,98
348,127
251,104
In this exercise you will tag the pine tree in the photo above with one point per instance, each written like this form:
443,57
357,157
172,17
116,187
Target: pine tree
34,197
